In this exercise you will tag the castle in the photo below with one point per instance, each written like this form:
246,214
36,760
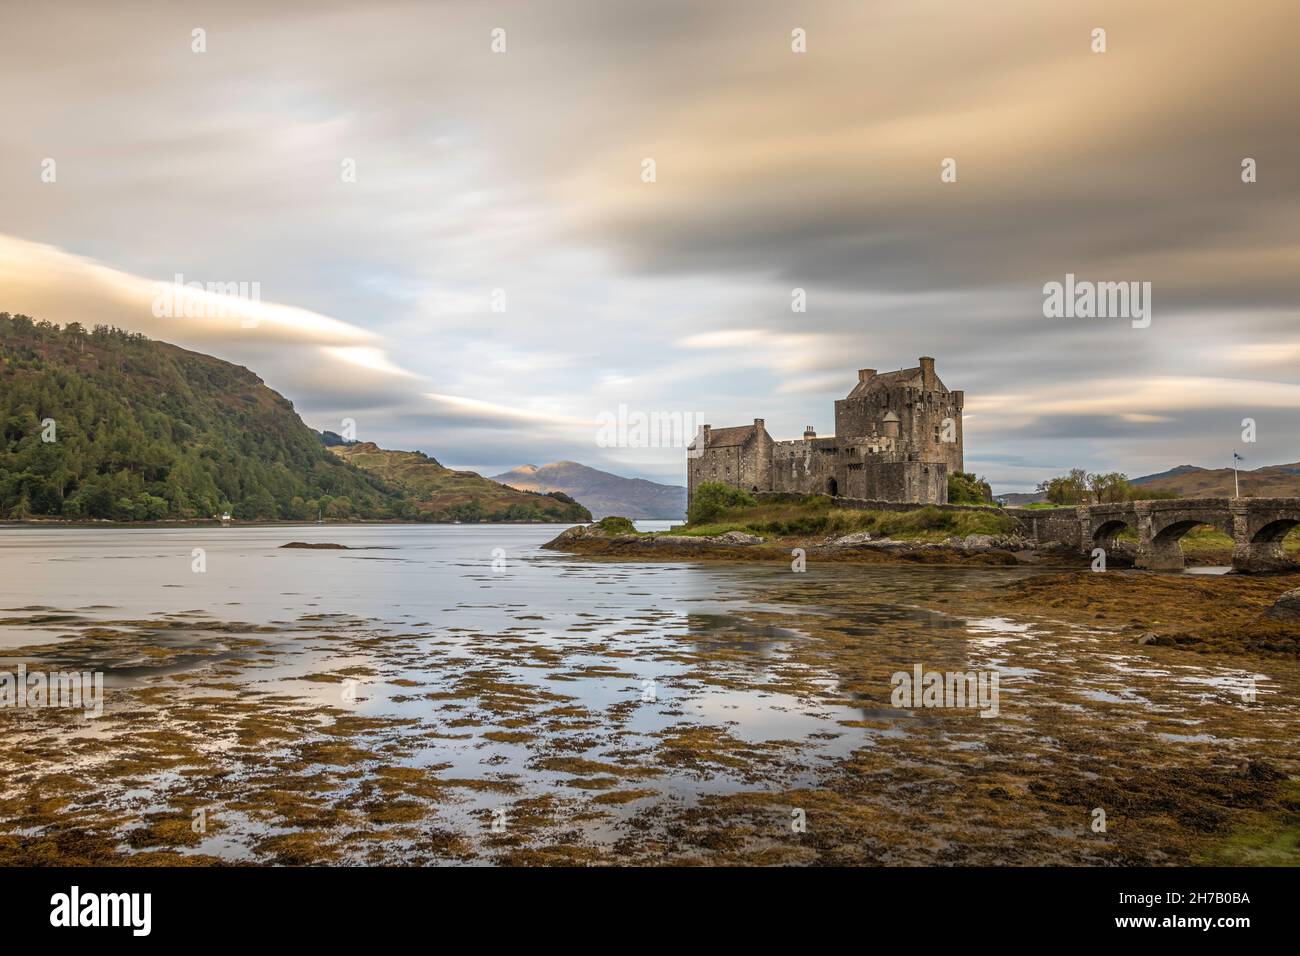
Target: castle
898,435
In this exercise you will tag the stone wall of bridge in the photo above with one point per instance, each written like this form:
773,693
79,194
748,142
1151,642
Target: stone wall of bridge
1256,526
1047,525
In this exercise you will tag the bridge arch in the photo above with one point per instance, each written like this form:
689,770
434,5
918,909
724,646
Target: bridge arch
1165,551
1107,530
1172,533
1179,524
1275,531
1265,523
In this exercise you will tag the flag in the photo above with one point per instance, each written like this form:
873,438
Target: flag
1236,457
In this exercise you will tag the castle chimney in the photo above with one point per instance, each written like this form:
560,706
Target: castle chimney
866,374
758,423
809,433
927,373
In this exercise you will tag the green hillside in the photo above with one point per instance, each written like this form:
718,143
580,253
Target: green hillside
443,494
144,430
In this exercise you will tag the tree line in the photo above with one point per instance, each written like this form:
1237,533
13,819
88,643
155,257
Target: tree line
1080,487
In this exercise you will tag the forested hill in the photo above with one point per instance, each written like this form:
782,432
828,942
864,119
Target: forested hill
101,423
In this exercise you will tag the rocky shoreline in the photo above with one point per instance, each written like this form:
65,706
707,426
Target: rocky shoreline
861,547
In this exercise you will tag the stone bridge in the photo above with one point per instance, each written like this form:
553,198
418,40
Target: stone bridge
1256,526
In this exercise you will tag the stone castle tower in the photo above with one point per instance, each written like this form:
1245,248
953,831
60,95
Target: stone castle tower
898,435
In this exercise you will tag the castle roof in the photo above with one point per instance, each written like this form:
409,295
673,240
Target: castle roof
904,376
888,380
726,437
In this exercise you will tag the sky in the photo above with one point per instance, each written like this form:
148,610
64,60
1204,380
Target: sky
455,248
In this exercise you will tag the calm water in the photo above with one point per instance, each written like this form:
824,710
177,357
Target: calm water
392,573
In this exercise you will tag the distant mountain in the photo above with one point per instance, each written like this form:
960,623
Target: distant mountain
442,494
605,494
1171,473
1188,481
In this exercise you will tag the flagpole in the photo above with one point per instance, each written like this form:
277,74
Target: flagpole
1236,488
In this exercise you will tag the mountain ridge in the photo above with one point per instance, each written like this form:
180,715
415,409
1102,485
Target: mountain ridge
446,494
1191,481
602,492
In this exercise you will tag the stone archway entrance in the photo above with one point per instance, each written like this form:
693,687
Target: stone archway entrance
832,487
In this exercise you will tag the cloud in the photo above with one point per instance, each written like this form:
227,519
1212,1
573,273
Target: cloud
472,409
296,349
1121,398
1265,355
520,172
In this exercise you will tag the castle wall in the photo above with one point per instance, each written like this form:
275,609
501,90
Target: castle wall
747,466
919,481
804,467
922,414
715,464
855,469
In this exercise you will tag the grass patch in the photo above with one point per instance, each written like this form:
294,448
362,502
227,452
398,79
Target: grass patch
817,515
1269,839
614,524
